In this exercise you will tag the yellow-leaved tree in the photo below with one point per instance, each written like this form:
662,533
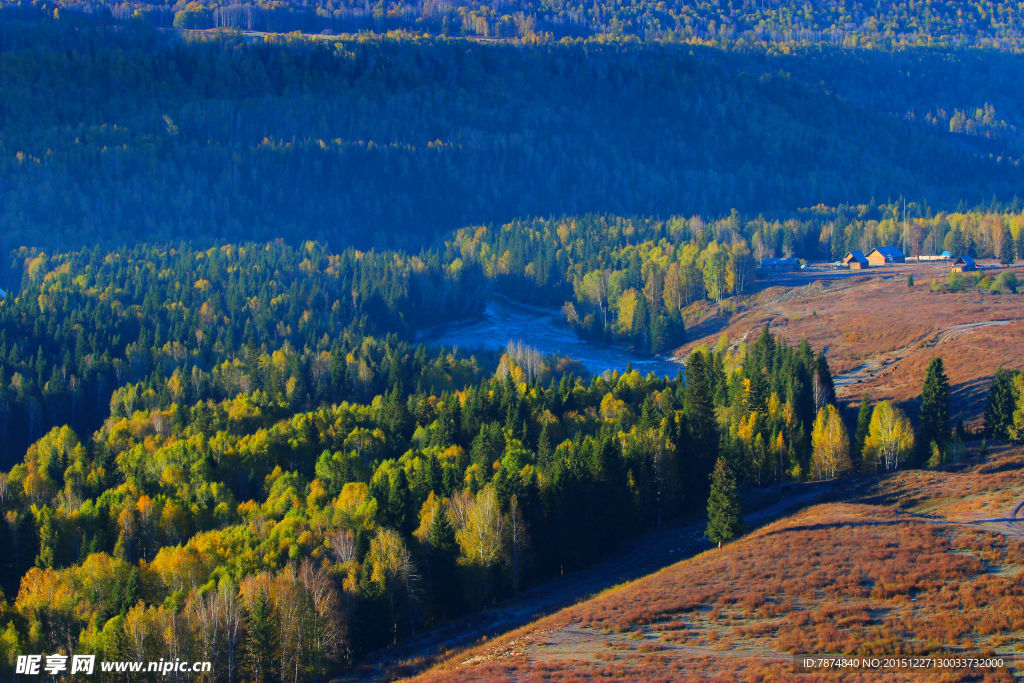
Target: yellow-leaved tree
890,438
831,444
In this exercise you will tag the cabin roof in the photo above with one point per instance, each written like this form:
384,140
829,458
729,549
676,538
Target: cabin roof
888,252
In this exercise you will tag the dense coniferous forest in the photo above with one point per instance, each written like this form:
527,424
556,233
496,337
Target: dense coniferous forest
138,134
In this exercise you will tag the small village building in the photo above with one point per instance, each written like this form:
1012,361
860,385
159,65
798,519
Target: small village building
855,260
881,256
964,264
776,265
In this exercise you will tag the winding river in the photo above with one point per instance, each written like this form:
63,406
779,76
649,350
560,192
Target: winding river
545,330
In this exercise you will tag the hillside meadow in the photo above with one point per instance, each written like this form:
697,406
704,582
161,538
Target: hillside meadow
919,563
879,334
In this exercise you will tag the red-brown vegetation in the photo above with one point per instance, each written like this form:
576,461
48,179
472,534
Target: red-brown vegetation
882,334
872,575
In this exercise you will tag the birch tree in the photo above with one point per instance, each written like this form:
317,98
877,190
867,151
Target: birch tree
831,445
890,438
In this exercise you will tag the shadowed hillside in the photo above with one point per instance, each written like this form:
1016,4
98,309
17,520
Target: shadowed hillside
135,134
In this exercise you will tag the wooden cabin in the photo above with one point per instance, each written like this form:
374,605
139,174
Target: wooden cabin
964,264
855,260
881,256
776,265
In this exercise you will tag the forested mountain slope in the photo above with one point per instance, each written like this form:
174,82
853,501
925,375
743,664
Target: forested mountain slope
120,135
879,22
215,428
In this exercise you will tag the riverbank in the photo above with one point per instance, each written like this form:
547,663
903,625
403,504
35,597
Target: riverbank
505,320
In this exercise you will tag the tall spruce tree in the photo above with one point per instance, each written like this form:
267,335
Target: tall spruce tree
1007,250
955,243
861,433
724,513
441,563
825,377
1000,405
700,417
934,408
261,641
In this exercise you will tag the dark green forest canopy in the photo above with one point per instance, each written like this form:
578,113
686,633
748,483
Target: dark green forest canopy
119,135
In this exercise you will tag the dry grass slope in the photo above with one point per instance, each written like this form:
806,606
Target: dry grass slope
914,563
879,334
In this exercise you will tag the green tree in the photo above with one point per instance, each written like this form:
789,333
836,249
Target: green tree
955,243
935,406
261,644
400,501
1007,282
1007,250
1000,404
544,447
724,513
700,418
49,538
824,386
132,592
441,563
861,433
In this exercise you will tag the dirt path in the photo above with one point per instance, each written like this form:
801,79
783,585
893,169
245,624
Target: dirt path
885,363
645,555
576,643
1007,526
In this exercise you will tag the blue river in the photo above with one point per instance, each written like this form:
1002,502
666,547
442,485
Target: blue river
545,330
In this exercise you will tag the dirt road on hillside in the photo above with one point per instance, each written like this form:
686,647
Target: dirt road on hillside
645,555
888,362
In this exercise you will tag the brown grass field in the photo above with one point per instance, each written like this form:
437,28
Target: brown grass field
879,334
915,563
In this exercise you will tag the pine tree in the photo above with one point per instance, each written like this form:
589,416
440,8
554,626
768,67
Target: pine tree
658,333
132,592
825,377
934,407
441,561
261,642
544,447
1007,251
48,538
724,520
1000,405
861,434
955,243
700,418
400,500
394,415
